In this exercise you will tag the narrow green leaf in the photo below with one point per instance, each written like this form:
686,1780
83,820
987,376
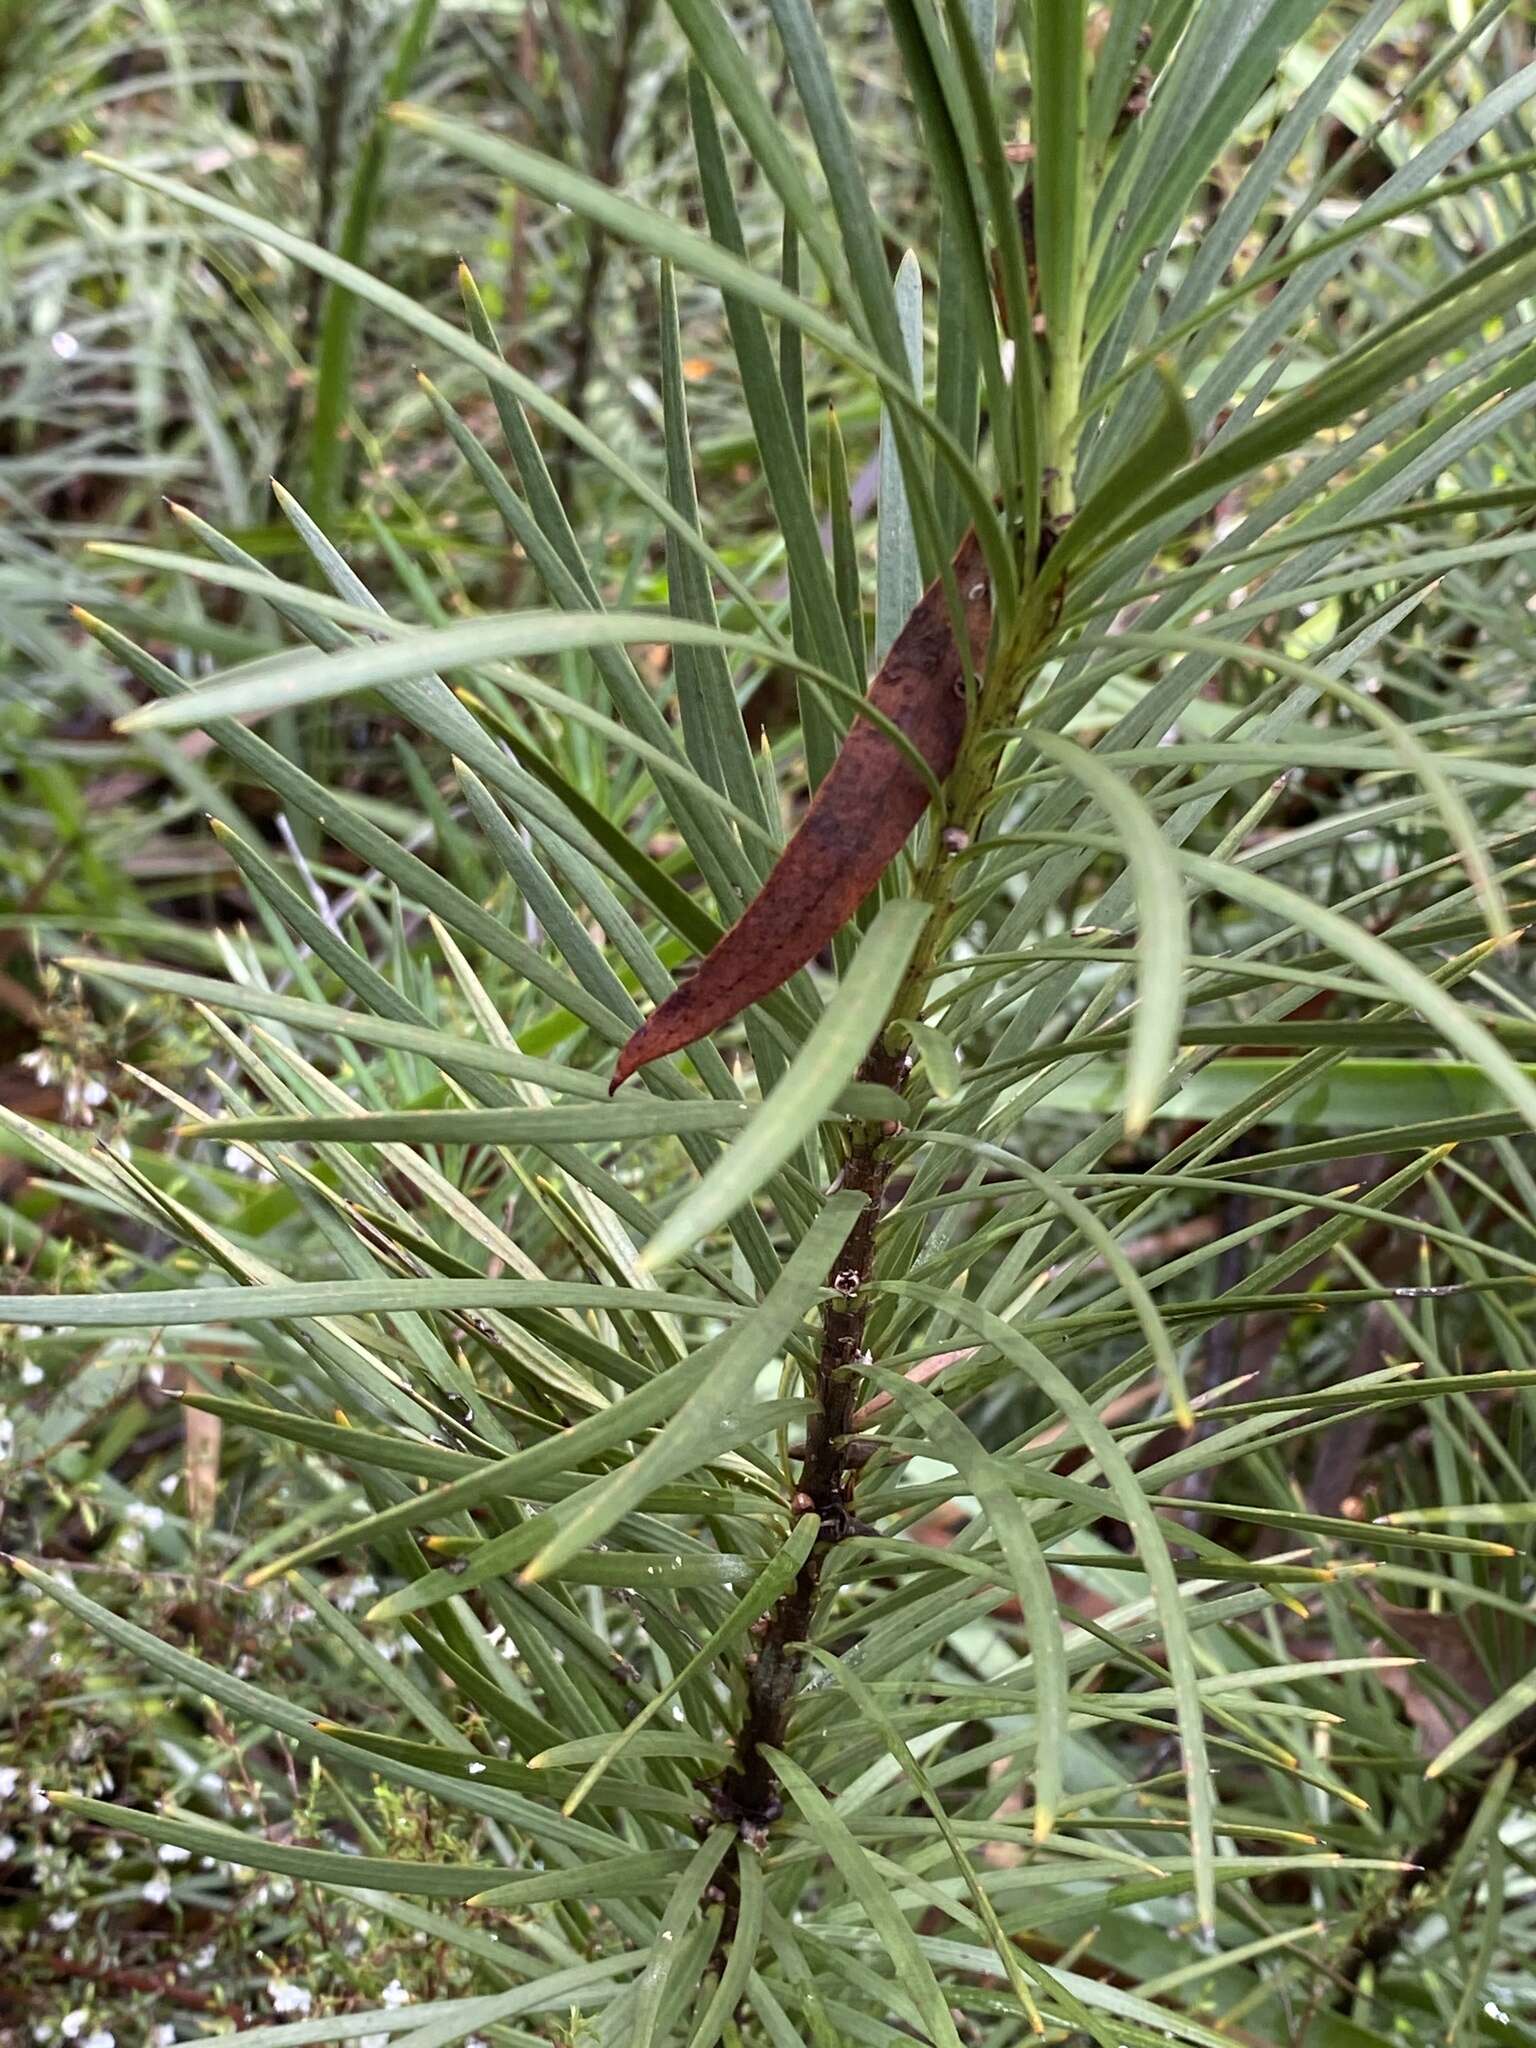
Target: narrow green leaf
277,1303
913,1971
324,1018
898,571
941,1062
1151,1544
1162,938
741,1356
845,549
819,1071
775,1579
947,1436
338,321
259,1852
1060,116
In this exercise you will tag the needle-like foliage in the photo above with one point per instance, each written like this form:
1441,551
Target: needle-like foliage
988,1499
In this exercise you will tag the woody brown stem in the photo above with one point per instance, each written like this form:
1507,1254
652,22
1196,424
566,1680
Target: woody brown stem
748,1792
747,1795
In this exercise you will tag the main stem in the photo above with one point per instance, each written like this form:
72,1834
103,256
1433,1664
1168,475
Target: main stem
747,1795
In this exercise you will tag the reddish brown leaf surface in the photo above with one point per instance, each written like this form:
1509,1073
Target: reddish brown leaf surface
857,823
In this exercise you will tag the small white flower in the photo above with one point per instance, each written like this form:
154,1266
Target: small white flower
64,346
37,1798
111,1851
62,1919
74,2023
163,2036
9,1778
288,1997
203,1960
143,1514
157,1890
474,1770
99,2037
394,1995
31,1374
171,1853
7,1848
7,1436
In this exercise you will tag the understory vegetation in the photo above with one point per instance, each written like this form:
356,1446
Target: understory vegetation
984,1494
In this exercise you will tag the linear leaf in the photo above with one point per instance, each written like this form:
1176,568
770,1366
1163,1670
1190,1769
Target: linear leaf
816,1076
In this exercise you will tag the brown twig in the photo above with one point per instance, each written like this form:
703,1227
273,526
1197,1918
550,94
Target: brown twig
747,1795
157,1983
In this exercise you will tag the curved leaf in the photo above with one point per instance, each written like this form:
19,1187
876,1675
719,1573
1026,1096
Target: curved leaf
858,822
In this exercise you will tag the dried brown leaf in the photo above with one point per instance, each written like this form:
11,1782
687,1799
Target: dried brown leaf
857,823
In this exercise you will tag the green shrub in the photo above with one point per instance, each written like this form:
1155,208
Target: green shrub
916,1518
